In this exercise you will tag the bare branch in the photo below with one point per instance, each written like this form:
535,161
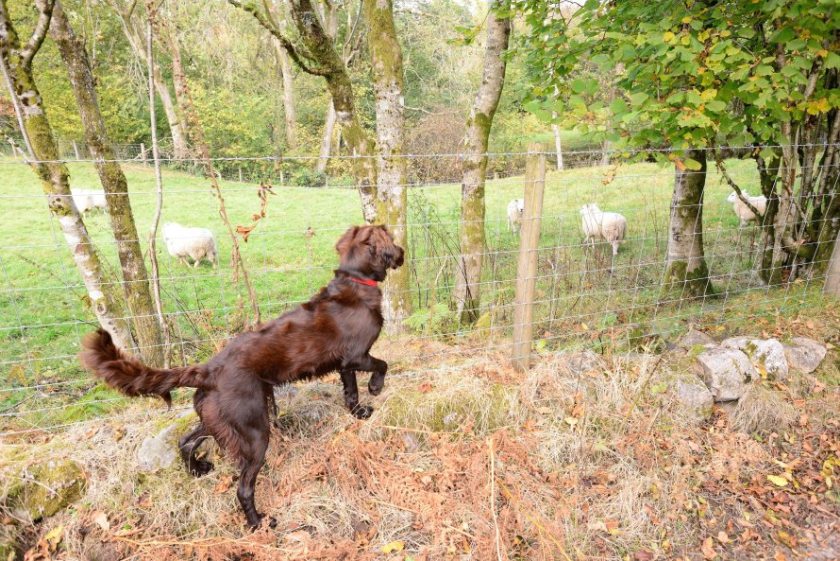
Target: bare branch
270,26
722,169
45,8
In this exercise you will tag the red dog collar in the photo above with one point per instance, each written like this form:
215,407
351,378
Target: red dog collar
366,282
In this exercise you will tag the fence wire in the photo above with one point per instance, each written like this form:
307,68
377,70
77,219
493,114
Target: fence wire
585,296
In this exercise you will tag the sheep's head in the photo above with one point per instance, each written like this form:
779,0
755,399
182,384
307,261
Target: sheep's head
732,196
589,209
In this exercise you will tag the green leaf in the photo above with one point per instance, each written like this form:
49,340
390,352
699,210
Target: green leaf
692,165
638,98
618,107
716,105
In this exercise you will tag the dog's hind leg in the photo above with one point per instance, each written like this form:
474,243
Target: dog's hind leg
252,453
188,445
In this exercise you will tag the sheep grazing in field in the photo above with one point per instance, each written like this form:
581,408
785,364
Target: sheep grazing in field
88,199
742,211
515,210
195,243
608,226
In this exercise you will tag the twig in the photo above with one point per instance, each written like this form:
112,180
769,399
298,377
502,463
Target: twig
498,537
164,327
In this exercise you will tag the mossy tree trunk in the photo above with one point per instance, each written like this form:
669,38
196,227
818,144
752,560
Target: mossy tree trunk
471,230
379,171
686,271
392,194
136,280
38,134
322,59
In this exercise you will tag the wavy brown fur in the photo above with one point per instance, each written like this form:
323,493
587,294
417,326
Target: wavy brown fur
132,377
333,331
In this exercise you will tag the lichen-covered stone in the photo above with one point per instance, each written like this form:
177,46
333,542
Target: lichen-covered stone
43,489
159,451
804,355
694,337
694,397
726,372
765,354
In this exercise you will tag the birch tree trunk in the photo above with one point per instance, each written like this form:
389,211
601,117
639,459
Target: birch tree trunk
17,68
686,269
392,194
471,230
289,111
136,280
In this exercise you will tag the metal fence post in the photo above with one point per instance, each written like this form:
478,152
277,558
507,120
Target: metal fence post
527,267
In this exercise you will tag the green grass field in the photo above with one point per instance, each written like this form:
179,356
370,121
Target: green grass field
43,314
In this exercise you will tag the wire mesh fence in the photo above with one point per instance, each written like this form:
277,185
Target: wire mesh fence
584,295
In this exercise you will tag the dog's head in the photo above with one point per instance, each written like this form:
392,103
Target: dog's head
370,251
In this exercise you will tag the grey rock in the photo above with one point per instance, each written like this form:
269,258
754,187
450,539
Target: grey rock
695,399
726,372
804,355
159,451
768,354
581,362
694,337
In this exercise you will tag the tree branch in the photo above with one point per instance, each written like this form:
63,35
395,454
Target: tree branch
45,8
271,26
722,169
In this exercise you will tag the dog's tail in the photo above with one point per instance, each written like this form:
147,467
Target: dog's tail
132,377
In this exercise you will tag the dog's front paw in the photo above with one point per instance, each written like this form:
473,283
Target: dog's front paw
362,411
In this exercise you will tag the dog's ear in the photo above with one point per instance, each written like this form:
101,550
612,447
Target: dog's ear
346,240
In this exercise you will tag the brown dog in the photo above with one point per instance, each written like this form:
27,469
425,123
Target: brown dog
333,331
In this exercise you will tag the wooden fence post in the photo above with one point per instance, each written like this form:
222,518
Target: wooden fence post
143,153
832,274
526,272
76,150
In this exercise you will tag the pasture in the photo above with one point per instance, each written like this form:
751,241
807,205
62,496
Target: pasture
579,290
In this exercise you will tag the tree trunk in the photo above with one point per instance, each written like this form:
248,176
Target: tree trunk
471,231
17,66
136,285
322,59
177,129
558,145
289,111
327,140
185,102
686,269
392,194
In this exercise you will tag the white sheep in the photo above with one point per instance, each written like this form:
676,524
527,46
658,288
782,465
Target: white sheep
742,211
515,210
89,199
196,243
608,226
